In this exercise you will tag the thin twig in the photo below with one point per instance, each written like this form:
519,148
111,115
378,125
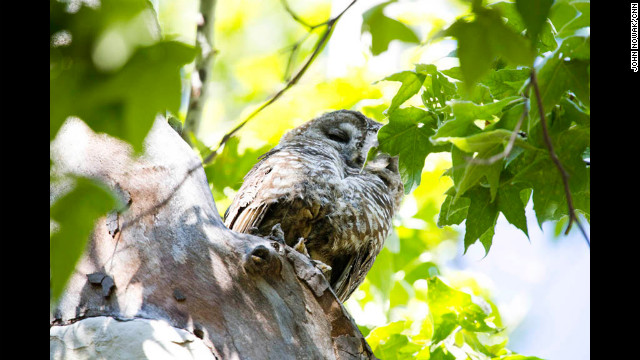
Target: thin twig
317,48
300,21
295,16
293,51
563,173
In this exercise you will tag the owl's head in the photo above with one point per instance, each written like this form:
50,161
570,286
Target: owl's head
348,132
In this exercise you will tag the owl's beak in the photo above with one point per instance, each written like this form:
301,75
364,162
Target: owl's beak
393,163
383,160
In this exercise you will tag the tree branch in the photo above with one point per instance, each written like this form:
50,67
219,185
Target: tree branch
554,157
294,80
298,19
202,74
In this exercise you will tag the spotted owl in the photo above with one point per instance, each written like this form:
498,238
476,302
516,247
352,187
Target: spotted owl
314,186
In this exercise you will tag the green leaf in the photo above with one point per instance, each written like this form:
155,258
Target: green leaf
454,72
540,173
534,14
123,104
444,326
230,166
473,319
453,212
557,76
510,13
375,111
381,333
397,347
451,308
525,195
465,113
487,144
475,171
510,118
577,47
438,89
506,43
506,82
381,273
441,353
468,111
474,49
424,270
407,135
574,113
481,41
458,161
547,39
472,340
477,93
75,213
487,238
371,154
400,294
583,19
384,29
481,216
512,206
411,84
485,141
562,12
387,342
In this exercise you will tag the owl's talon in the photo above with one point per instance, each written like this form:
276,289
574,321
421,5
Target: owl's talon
326,269
301,248
253,230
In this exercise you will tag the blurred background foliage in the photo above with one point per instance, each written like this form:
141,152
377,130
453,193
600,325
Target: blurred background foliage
404,307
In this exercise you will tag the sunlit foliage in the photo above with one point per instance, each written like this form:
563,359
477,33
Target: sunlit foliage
449,79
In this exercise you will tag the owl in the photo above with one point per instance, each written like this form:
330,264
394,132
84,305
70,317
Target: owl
314,186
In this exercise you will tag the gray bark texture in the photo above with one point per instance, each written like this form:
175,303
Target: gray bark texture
168,265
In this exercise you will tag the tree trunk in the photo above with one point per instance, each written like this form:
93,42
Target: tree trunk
166,279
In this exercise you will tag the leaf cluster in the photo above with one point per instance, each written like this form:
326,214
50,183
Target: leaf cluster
458,326
484,114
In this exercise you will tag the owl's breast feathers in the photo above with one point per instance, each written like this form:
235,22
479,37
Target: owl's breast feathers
344,215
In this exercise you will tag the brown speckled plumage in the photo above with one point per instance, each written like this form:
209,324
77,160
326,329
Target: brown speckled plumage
313,185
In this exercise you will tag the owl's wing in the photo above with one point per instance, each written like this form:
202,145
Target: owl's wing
247,218
249,205
268,183
354,271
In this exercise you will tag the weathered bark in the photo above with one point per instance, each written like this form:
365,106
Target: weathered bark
171,259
